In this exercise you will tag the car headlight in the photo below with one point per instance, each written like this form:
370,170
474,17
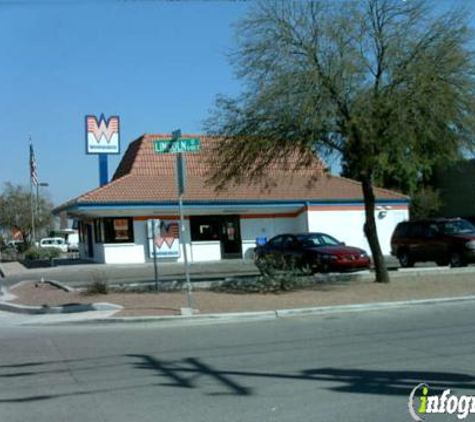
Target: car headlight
363,254
328,257
470,245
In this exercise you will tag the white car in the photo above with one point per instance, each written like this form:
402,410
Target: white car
54,242
72,240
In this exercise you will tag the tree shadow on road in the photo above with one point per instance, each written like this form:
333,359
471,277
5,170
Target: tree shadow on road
192,373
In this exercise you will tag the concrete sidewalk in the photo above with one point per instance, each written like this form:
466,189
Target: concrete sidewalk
80,274
83,273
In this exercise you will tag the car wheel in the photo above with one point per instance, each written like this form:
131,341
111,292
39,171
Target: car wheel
306,268
291,264
269,264
442,262
405,259
261,263
456,260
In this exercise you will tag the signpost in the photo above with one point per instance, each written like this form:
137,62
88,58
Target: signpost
178,145
155,224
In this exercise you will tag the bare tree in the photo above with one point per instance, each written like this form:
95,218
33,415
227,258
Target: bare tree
387,84
16,209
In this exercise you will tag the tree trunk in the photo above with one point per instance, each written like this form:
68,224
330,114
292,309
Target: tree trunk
371,234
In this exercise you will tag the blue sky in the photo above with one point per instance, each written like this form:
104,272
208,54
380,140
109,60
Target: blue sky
156,64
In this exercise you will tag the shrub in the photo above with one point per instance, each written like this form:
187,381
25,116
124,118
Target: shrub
97,288
8,254
98,285
35,253
277,274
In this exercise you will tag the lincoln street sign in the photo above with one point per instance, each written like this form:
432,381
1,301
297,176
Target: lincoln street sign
168,146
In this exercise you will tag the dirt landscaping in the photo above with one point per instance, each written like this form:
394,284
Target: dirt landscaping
322,294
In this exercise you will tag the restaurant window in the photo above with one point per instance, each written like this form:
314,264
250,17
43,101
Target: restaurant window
114,230
204,228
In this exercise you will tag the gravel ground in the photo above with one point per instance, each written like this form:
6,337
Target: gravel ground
322,294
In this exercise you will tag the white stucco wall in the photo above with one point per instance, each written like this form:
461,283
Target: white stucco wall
347,226
387,225
123,253
251,228
205,251
301,222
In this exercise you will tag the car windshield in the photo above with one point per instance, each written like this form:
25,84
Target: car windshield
317,239
457,227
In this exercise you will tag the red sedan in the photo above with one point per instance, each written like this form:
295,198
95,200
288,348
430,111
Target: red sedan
310,252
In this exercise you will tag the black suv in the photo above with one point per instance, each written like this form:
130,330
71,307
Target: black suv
443,240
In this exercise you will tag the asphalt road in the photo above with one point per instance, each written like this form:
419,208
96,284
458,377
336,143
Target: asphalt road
348,367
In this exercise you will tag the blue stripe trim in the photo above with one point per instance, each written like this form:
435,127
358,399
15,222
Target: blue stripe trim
168,204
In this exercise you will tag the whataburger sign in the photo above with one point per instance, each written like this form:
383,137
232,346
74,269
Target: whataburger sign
166,239
102,135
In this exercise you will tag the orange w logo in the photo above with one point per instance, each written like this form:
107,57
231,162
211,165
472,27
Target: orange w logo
168,234
102,128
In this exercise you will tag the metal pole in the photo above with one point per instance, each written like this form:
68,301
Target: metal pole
37,205
103,169
189,288
32,205
155,268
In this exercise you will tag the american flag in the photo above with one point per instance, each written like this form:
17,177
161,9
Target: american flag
33,166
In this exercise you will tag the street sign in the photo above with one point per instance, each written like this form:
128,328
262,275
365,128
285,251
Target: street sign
173,146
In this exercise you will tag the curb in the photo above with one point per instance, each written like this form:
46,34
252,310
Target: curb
270,315
224,317
7,296
54,283
375,306
65,309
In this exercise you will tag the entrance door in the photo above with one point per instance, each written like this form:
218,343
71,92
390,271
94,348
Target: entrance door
231,246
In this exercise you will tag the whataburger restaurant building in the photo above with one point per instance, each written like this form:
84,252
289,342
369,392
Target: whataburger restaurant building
115,220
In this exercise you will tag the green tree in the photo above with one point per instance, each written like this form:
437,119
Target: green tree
426,203
385,83
16,210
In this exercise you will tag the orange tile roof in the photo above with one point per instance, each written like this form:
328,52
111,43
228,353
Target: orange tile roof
144,176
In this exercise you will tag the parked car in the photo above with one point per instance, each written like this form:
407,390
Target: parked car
70,235
310,252
54,242
72,241
15,244
443,240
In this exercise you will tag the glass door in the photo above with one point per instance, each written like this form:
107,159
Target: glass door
231,245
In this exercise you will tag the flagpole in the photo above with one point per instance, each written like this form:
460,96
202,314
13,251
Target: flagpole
32,207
